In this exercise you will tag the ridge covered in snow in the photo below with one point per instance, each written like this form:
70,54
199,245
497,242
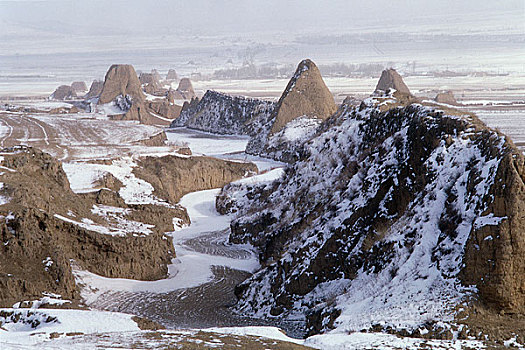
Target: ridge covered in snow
223,114
370,227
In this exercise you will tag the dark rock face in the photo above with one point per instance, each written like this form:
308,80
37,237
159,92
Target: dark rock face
390,79
394,208
305,95
64,92
223,114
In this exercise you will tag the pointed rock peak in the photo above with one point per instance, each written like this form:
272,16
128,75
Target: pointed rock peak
390,79
172,75
185,85
185,89
305,95
121,79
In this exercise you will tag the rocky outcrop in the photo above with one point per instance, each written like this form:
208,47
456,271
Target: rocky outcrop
95,89
157,140
305,95
155,74
123,90
384,220
79,86
174,176
165,109
223,114
44,227
150,83
172,75
64,92
185,89
390,79
121,80
446,97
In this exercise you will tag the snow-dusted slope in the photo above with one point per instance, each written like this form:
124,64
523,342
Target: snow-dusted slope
222,114
373,225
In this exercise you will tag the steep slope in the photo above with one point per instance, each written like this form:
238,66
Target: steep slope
121,80
64,92
389,220
305,102
122,92
305,95
390,79
223,114
44,227
95,89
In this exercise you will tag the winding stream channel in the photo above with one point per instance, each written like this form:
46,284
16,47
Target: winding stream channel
199,290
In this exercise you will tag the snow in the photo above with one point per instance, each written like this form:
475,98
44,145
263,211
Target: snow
257,331
203,143
381,341
3,199
488,220
409,288
190,268
60,321
92,226
82,176
297,131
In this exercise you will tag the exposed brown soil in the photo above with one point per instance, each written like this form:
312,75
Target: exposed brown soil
305,95
390,79
31,234
155,140
121,79
173,176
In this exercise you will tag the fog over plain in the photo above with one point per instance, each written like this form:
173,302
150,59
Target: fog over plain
69,40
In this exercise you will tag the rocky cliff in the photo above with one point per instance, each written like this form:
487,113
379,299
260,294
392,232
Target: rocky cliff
122,91
44,227
174,176
95,89
389,220
223,114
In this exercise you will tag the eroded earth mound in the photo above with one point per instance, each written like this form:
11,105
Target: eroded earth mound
390,220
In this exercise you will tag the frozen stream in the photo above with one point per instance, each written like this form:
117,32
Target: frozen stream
200,287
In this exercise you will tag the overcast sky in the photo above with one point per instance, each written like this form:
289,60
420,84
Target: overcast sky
240,16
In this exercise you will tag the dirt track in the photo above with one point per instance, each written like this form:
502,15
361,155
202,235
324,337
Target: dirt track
72,137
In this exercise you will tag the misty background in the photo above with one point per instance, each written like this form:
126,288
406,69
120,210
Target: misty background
60,41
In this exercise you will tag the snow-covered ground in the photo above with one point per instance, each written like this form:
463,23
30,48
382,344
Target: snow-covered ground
190,268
